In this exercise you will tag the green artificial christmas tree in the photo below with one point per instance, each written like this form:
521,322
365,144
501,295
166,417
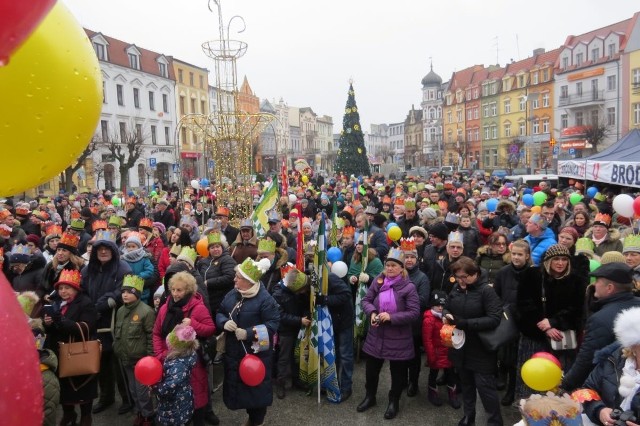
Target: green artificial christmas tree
352,154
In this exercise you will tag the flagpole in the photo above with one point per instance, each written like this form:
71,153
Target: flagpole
321,260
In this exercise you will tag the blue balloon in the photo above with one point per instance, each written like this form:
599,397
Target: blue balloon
527,199
334,254
204,182
492,204
527,191
391,225
592,191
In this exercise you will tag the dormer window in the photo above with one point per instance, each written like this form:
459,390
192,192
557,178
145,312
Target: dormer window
163,70
134,61
101,51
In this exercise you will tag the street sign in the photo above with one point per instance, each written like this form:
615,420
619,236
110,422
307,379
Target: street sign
175,167
211,163
513,149
153,163
572,151
556,150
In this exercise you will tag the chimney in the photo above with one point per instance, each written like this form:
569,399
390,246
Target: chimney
538,51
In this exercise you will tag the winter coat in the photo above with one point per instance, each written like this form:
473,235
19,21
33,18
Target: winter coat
471,241
611,242
50,275
484,231
598,334
165,217
474,309
374,268
30,278
231,233
423,287
505,217
240,251
517,232
84,239
50,386
133,335
507,281
163,263
133,218
204,327
492,262
273,275
143,268
81,309
340,304
218,275
392,340
260,309
434,265
154,246
437,352
103,285
406,224
539,245
175,392
378,241
293,307
183,267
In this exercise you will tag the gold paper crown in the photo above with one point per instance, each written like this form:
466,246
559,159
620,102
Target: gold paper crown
70,277
20,249
348,231
399,201
102,235
602,219
145,222
133,281
408,244
75,215
99,224
53,230
456,237
266,246
631,243
69,240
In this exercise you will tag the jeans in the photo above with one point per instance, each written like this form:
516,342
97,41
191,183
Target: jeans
344,358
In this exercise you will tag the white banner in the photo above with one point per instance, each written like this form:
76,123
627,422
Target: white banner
572,169
622,173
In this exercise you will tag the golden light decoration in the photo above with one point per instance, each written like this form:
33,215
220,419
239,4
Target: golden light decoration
359,150
347,110
356,127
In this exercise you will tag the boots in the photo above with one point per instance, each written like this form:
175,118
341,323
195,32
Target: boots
467,420
412,389
393,407
509,396
280,391
368,402
453,397
68,418
433,397
86,420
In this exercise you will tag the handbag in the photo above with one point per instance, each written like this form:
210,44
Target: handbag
569,340
505,332
79,358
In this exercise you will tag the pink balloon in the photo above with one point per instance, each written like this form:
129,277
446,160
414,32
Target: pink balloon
18,19
547,355
148,370
252,370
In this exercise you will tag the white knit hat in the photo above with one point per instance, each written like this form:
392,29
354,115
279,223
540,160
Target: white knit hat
627,327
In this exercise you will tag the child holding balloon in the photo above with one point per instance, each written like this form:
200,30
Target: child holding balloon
133,340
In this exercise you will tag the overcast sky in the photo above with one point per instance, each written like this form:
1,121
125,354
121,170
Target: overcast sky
306,52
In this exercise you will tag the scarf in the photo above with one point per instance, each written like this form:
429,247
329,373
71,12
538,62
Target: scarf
387,300
629,383
436,314
251,292
600,241
134,255
174,314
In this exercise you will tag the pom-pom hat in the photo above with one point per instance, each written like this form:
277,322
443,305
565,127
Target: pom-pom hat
252,271
627,327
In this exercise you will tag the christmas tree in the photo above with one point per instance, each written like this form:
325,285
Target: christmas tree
352,154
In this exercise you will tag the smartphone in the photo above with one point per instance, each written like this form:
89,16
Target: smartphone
48,310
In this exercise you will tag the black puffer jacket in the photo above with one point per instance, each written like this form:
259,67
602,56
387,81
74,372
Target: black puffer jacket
598,334
474,309
293,307
218,275
30,278
423,287
509,278
434,265
340,303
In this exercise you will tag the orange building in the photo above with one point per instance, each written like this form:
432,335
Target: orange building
249,103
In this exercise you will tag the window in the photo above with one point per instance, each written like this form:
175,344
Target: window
611,49
564,92
611,116
487,157
485,90
595,119
545,100
534,78
179,75
507,106
182,105
565,62
494,88
470,135
579,59
535,103
522,128
507,130
521,81
139,132
165,103
141,174
201,82
193,106
611,82
469,114
494,131
134,61
154,137
579,88
486,132
595,54
123,131
523,103
167,138
450,136
545,74
104,130
494,109
545,125
564,121
476,134
163,70
450,116
136,97
152,104
104,92
635,73
506,85
494,154
120,94
183,135
191,79
636,114
536,127
476,111
579,119
476,91
203,110
485,110
101,51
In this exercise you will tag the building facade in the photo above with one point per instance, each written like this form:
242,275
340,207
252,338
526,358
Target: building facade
432,90
413,140
396,143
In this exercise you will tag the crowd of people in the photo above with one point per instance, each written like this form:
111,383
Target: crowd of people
132,274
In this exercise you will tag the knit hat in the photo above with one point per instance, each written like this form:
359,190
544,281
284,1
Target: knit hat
133,238
408,247
134,284
556,250
438,298
627,327
612,257
570,231
428,213
585,246
631,244
439,230
420,230
252,271
69,277
189,255
160,227
20,254
396,255
159,292
182,337
539,220
34,239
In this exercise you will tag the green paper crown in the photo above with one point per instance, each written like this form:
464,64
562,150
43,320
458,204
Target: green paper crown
214,238
133,281
189,252
77,224
295,280
584,245
410,203
631,244
266,246
115,221
252,270
28,301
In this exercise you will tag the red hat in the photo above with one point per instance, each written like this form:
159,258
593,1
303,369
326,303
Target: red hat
33,238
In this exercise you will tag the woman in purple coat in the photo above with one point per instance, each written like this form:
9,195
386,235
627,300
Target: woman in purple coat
392,305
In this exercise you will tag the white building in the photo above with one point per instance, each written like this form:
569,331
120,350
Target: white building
396,142
138,99
376,141
432,89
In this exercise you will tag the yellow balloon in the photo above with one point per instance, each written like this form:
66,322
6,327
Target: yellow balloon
51,100
305,179
394,233
541,374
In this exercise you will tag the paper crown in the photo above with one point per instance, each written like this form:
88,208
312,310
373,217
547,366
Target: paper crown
41,215
53,230
175,250
27,301
399,201
94,210
293,279
286,268
75,215
186,219
102,235
396,255
99,224
274,217
294,213
602,219
348,231
247,223
131,200
222,211
266,246
69,242
410,203
22,211
5,231
146,223
4,214
133,281
214,238
585,246
20,249
456,237
386,200
599,196
371,210
631,244
77,224
408,245
339,223
70,277
539,220
115,221
452,218
252,270
188,254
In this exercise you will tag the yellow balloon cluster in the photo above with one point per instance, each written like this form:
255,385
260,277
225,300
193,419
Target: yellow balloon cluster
51,99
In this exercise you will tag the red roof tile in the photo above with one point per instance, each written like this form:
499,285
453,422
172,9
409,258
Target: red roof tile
619,27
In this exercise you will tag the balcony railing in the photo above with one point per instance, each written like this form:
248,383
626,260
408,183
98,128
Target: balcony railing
584,97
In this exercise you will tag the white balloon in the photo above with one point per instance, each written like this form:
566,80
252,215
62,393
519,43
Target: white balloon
195,184
623,205
292,198
340,268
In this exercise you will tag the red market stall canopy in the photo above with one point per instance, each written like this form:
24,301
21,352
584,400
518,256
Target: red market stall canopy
619,164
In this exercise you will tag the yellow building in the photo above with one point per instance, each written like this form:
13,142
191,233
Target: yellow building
192,97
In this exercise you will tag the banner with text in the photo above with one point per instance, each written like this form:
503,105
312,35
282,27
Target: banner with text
622,173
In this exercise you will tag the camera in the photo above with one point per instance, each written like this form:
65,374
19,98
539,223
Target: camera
622,417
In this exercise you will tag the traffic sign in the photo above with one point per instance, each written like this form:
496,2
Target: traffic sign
572,151
211,163
556,150
153,163
176,166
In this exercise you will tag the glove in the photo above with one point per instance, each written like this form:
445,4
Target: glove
230,326
111,302
321,300
461,324
241,334
364,277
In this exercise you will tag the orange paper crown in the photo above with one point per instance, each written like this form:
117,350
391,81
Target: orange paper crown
145,222
5,231
348,231
386,200
407,244
131,200
54,230
75,215
70,277
4,214
22,211
99,224
399,201
286,268
69,240
603,219
222,211
94,210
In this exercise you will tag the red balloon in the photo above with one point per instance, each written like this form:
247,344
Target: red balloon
252,370
18,19
148,370
550,357
21,390
636,205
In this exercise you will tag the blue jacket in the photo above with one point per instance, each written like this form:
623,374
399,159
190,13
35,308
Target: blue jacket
539,245
175,395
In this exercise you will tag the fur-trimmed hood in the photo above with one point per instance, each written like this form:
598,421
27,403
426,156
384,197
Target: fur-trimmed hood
486,251
506,206
252,241
612,235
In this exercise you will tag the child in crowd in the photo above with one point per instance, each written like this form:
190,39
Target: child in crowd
175,394
133,340
471,237
139,261
437,352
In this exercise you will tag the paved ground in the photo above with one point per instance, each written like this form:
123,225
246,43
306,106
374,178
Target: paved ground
299,409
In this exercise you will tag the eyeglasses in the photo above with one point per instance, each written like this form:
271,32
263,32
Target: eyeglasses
500,244
461,277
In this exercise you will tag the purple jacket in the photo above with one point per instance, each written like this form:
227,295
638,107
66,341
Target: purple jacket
392,340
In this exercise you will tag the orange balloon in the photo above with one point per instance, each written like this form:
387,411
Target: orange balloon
201,247
536,209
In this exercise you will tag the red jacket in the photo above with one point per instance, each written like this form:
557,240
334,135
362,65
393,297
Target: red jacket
155,246
484,232
163,263
436,351
203,325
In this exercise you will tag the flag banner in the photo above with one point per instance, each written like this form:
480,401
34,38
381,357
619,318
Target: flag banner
268,202
360,327
333,235
284,179
300,241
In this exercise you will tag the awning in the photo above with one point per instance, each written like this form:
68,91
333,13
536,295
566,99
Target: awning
570,132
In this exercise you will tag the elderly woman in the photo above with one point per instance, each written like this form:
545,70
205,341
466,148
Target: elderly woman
605,238
474,306
494,256
185,306
615,378
217,269
356,274
392,305
250,318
